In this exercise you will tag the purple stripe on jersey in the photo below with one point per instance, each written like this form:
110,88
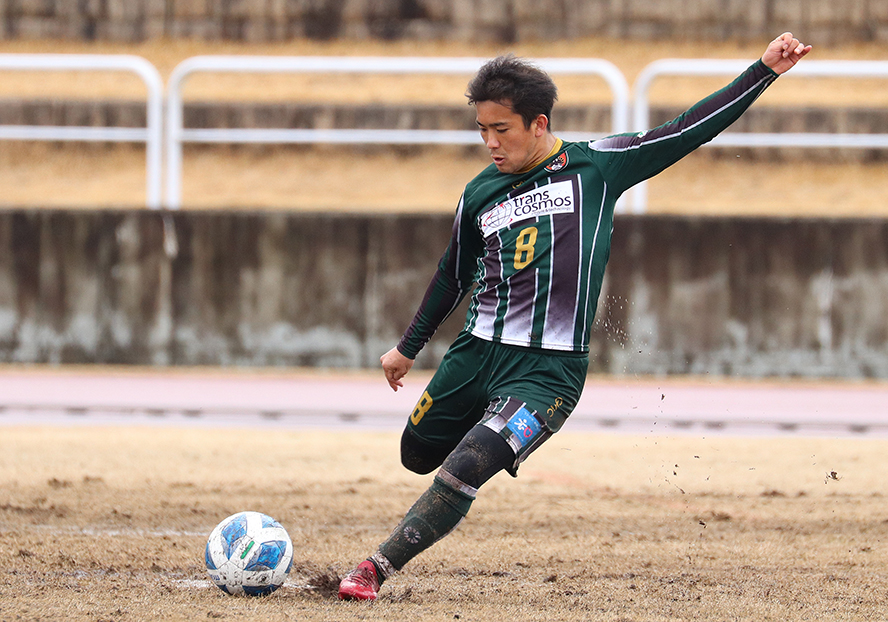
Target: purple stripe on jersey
518,322
486,296
567,240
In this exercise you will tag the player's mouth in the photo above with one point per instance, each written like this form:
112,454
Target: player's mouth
498,159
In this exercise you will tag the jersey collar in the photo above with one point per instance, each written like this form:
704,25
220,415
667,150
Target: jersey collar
558,144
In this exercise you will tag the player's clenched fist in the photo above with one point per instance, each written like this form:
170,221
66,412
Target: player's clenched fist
784,52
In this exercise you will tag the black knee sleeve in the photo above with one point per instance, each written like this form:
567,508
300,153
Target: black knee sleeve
419,456
480,456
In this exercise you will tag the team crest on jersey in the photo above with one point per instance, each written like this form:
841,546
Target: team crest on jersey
558,163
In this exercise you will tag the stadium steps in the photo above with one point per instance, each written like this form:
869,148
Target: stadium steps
594,119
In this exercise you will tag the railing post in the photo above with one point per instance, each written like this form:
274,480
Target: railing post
176,134
151,135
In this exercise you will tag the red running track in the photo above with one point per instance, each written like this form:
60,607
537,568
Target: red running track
362,400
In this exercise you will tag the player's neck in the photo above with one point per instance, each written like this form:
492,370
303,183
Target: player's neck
551,146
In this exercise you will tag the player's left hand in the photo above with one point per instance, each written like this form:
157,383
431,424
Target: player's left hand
784,52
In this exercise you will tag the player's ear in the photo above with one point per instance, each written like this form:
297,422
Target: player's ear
540,125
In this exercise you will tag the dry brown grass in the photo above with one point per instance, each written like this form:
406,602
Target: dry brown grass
109,524
420,179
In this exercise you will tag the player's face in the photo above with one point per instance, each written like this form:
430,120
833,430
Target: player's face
512,146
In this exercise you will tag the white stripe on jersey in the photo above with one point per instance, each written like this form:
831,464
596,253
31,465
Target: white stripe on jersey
455,275
586,323
548,334
459,211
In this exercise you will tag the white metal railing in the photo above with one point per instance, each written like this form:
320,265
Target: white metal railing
151,134
177,134
808,68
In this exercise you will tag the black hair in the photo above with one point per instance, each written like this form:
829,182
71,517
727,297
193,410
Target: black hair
507,79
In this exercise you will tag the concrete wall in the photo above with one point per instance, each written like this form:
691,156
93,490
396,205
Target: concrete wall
824,21
743,297
747,297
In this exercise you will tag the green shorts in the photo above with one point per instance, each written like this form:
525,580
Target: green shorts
524,394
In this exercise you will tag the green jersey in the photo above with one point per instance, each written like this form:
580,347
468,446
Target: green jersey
534,245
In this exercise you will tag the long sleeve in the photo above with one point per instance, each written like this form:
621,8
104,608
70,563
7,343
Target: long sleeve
449,285
627,159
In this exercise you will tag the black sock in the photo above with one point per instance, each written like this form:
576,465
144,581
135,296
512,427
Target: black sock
434,515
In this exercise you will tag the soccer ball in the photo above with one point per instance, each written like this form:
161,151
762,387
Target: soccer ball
250,554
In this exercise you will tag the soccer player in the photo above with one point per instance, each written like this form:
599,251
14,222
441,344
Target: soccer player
532,236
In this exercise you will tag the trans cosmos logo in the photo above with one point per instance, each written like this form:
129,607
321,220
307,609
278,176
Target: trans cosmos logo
557,198
497,218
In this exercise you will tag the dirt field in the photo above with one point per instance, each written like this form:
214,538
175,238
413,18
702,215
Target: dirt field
427,179
110,523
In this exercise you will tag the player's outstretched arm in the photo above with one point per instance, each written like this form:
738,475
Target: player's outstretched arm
395,366
784,52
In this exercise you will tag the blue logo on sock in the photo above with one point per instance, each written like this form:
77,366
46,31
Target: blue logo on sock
524,426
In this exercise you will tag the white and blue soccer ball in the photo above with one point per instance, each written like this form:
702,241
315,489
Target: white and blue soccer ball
249,553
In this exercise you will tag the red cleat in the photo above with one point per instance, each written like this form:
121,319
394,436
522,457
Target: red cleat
361,583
